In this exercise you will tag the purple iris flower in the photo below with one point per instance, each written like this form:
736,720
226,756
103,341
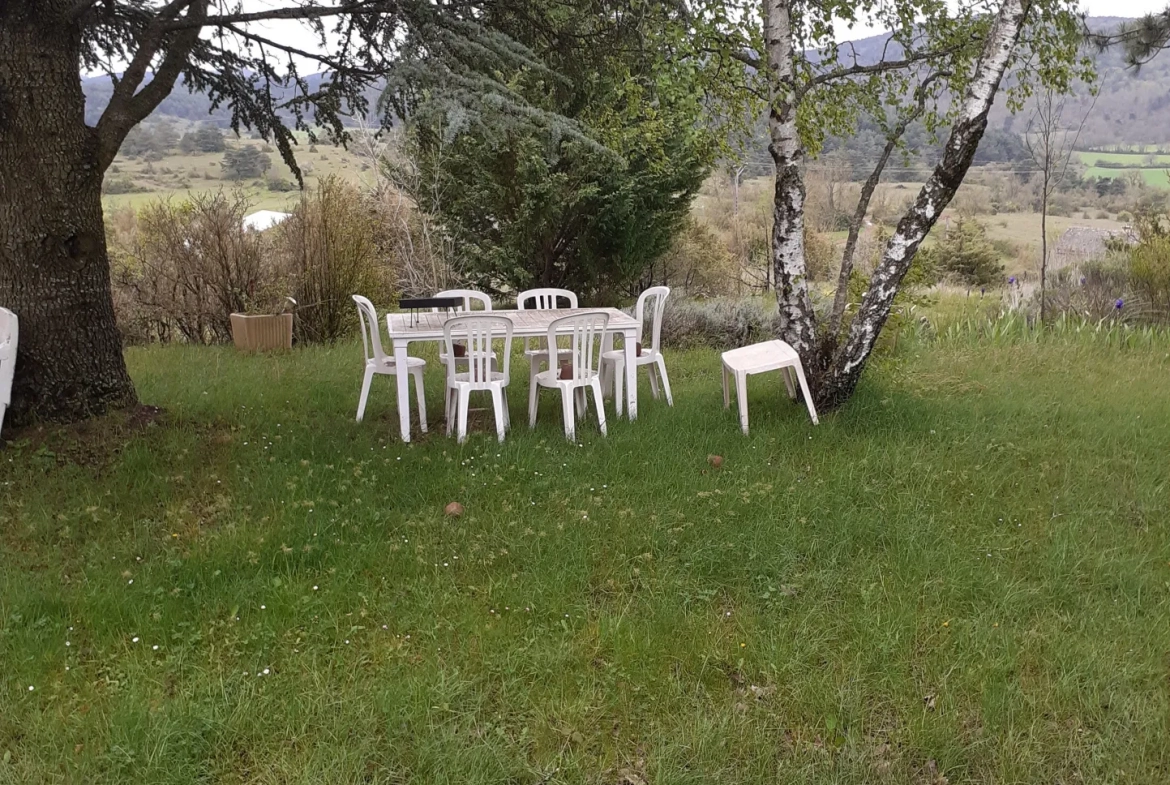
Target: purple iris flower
1119,304
1082,280
1012,280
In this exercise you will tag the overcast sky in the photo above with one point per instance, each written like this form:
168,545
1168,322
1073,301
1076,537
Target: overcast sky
296,34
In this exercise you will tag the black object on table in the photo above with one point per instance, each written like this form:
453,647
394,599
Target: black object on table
416,304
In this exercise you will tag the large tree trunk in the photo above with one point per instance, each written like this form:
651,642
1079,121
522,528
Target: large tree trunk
797,320
935,195
54,270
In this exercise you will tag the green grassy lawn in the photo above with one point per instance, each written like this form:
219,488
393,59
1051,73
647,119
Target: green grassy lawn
964,574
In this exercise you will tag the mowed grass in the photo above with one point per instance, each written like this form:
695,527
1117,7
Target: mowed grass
964,575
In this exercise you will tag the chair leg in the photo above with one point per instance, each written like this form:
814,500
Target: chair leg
452,407
507,408
741,396
581,404
619,387
369,377
726,392
787,374
422,399
661,363
808,401
464,405
501,417
653,380
567,396
533,389
596,385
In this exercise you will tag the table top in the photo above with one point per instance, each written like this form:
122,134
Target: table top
525,324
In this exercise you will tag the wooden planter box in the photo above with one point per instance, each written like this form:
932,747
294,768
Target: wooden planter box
263,332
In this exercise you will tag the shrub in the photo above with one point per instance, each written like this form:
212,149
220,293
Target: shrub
965,254
187,267
334,245
122,185
696,264
280,185
719,323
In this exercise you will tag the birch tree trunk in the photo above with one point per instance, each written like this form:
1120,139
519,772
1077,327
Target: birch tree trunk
935,195
798,322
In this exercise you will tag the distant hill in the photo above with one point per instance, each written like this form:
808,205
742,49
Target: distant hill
1133,108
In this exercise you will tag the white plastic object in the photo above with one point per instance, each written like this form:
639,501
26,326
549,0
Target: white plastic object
761,358
586,332
613,364
9,333
478,333
541,300
467,295
377,361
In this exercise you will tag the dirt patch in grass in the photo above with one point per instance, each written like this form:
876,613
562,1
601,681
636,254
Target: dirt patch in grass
93,443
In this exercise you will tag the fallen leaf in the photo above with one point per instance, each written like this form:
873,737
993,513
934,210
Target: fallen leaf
453,510
715,460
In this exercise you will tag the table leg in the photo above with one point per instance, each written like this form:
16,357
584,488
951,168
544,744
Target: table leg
402,378
630,340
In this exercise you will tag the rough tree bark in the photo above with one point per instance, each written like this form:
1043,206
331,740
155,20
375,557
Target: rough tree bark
798,322
54,270
938,191
54,266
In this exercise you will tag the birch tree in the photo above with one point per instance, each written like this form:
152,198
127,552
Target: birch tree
815,85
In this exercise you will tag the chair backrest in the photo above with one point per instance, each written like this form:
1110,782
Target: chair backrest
468,296
544,299
9,325
478,333
586,333
654,301
371,333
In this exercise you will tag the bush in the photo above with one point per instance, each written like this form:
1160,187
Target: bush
187,267
696,264
122,185
718,324
280,185
965,254
333,246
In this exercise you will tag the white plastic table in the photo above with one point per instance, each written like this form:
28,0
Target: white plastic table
406,328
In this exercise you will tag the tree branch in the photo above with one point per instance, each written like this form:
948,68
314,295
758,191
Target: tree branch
882,66
841,297
301,13
127,108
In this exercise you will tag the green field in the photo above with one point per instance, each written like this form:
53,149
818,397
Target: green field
1154,167
961,577
177,176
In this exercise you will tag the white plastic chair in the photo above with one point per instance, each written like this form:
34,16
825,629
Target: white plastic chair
377,361
469,297
760,358
615,362
542,300
9,333
478,333
584,356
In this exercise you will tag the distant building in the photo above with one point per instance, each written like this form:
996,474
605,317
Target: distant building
1080,244
264,219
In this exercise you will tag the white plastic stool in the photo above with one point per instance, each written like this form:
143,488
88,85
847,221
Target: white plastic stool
760,358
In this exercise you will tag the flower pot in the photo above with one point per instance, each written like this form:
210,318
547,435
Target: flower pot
260,333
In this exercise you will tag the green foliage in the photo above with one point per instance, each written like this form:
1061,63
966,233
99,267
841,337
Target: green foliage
245,162
206,139
588,207
122,184
1149,265
965,253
